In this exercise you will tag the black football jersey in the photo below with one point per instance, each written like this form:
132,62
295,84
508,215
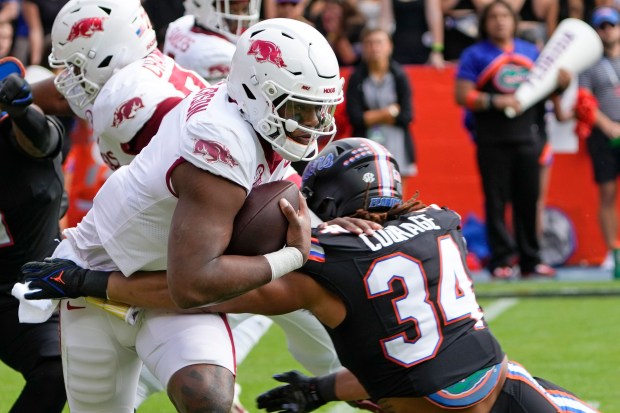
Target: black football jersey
30,195
413,325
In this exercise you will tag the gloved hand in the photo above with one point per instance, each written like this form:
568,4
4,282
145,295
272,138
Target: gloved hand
300,395
15,95
59,278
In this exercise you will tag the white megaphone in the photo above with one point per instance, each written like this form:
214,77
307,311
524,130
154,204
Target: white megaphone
574,46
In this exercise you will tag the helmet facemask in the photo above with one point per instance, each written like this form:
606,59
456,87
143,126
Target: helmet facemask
296,123
71,82
229,18
236,16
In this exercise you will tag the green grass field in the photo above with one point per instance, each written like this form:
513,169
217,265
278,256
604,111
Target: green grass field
572,341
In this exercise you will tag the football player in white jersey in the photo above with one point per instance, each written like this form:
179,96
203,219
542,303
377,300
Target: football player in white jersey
99,83
113,75
204,39
172,208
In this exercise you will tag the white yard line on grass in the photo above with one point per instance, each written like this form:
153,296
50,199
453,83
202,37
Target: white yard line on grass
497,307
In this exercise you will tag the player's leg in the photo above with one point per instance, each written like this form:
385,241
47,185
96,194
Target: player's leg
524,394
308,342
496,167
247,330
607,212
606,166
100,365
525,191
34,351
148,384
193,355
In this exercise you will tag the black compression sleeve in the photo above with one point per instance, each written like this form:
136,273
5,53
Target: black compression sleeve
44,134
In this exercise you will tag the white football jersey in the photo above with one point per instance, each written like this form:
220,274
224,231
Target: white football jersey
207,53
131,215
130,106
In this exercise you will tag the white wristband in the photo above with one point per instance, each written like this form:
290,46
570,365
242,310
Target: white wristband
284,261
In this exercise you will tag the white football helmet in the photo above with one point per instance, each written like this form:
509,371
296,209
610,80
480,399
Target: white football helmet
229,18
285,78
93,39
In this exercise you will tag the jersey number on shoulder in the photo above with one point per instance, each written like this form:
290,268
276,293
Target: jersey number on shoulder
185,81
5,236
455,300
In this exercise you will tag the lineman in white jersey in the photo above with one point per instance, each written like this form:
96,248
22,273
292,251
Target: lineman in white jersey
172,209
204,40
105,47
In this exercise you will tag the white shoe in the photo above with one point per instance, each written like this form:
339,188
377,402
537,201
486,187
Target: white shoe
237,407
608,262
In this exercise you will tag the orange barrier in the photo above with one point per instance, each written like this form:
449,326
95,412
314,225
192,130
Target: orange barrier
447,170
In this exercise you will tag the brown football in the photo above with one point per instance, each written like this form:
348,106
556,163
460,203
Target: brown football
260,226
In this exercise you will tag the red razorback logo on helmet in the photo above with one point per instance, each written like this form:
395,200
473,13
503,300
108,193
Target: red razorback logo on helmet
265,51
213,151
86,27
126,110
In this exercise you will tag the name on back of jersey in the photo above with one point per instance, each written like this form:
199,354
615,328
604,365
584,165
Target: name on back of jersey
393,234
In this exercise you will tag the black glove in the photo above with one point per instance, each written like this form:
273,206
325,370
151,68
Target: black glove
58,278
15,95
302,394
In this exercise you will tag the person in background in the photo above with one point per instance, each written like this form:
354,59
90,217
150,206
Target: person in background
378,99
416,28
460,25
163,13
39,16
6,39
30,209
602,81
508,150
341,23
292,9
537,19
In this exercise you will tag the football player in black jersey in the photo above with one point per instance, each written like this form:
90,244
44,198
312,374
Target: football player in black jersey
30,201
398,304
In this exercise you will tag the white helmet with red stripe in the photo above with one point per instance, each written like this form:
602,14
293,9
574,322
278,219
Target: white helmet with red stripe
351,174
285,78
92,39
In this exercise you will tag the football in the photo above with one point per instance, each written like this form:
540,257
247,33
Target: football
260,226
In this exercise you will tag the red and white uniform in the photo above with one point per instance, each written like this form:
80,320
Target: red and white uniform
209,54
129,107
206,52
127,229
129,223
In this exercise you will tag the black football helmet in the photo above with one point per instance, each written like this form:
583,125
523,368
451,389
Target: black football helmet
351,174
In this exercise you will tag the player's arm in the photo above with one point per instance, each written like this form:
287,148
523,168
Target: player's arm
292,292
35,134
49,99
198,271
